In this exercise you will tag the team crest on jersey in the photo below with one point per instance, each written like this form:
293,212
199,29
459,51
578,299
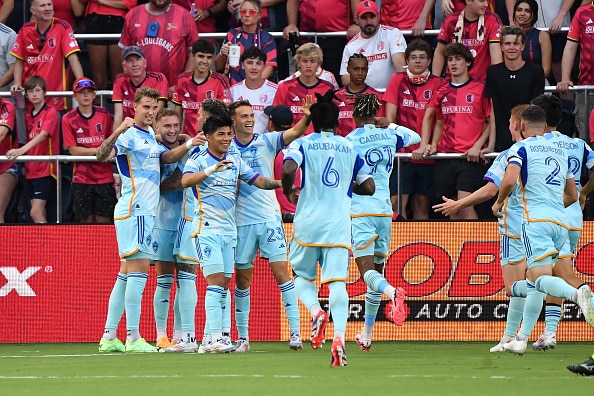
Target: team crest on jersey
469,98
380,46
39,124
155,246
263,98
207,251
15,47
4,114
99,127
51,42
171,26
71,35
427,94
210,94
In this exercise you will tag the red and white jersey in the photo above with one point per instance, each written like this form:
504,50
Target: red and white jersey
581,30
259,98
124,90
167,52
189,95
479,48
7,119
346,123
322,74
47,58
80,131
379,50
402,14
291,94
324,15
463,109
45,120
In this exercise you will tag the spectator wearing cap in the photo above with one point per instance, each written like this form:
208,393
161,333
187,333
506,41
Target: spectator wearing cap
83,130
383,46
255,88
135,76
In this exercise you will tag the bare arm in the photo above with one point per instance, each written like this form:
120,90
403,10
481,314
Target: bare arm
106,151
78,7
18,75
569,53
118,113
570,194
418,28
77,150
12,154
288,179
292,15
299,128
267,183
450,206
398,61
557,23
438,60
546,50
507,185
586,190
495,52
177,153
267,72
476,151
75,65
365,188
192,179
6,9
425,132
391,112
173,182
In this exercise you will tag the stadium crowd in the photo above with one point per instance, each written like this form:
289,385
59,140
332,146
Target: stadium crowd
252,94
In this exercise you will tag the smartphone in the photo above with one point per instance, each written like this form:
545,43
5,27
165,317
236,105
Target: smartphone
152,29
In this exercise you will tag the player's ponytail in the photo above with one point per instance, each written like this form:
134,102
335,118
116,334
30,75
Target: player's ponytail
324,113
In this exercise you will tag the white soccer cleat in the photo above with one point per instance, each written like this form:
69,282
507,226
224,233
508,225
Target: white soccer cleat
364,341
242,345
584,301
222,345
186,347
295,342
545,342
516,346
497,348
205,344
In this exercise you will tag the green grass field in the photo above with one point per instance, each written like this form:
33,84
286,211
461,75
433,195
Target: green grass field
391,368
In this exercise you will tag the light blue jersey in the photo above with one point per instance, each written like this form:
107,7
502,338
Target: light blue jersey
377,147
329,165
137,158
510,224
170,202
214,211
255,205
545,164
580,155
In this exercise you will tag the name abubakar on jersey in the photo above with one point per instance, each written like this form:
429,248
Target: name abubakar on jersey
329,146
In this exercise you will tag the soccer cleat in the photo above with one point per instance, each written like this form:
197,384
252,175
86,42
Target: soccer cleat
295,342
338,353
222,345
114,345
205,344
584,301
497,348
318,329
396,312
516,346
364,341
186,347
164,342
545,342
585,368
242,345
140,346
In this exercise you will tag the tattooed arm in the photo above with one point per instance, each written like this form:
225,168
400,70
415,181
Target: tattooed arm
106,151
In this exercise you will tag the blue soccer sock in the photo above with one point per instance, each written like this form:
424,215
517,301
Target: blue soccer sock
375,281
115,308
133,299
226,312
291,306
519,289
554,286
373,300
212,305
242,312
177,334
161,303
515,311
307,292
339,304
552,317
188,298
532,309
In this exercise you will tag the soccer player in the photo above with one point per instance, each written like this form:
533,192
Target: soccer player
255,89
8,170
358,67
406,98
138,156
42,47
43,138
198,84
84,129
135,76
542,166
461,109
258,219
213,175
372,216
321,228
165,32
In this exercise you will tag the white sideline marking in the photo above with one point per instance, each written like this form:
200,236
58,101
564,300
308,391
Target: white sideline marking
52,356
26,377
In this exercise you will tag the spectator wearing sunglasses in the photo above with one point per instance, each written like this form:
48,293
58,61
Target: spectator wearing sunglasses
83,131
248,35
41,49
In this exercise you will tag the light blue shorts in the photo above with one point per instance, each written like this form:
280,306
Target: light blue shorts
134,236
216,253
511,250
163,241
574,237
268,237
334,262
544,243
185,246
371,237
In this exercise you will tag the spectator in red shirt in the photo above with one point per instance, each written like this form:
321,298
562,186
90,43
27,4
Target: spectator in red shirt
8,170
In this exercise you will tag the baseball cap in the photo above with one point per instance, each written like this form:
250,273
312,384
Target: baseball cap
280,116
132,50
83,83
365,7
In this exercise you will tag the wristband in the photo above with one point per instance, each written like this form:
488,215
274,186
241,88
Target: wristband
210,170
209,12
393,126
189,144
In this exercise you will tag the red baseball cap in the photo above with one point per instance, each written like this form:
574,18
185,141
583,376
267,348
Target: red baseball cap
365,7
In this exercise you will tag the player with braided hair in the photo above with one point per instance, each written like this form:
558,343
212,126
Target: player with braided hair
372,216
332,164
